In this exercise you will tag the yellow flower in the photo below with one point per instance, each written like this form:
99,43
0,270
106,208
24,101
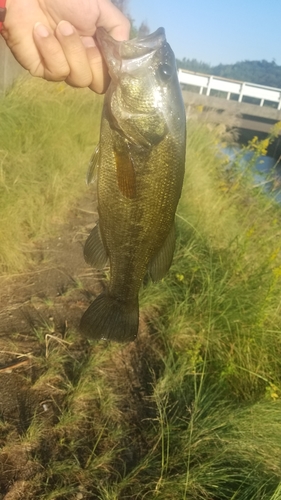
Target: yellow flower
224,187
180,277
253,141
250,232
276,129
274,254
272,392
61,87
277,272
264,145
260,146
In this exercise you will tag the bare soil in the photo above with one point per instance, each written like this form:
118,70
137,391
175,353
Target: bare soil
38,308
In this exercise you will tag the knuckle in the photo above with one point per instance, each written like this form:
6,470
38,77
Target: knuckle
78,81
56,75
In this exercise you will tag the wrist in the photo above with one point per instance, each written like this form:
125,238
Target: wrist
2,12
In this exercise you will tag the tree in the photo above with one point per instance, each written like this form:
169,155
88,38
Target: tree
260,72
143,30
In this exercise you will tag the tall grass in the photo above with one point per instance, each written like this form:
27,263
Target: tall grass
220,314
191,411
47,134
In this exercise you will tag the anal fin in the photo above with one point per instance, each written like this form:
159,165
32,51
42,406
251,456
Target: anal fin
161,262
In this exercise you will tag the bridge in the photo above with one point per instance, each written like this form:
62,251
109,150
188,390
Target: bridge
256,108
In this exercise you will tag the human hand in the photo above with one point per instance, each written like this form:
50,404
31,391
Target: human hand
53,39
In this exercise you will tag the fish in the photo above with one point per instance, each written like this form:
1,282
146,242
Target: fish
139,166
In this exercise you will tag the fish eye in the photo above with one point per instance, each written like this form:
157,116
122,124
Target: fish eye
165,71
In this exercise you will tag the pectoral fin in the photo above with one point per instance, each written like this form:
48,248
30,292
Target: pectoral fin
94,251
126,176
94,162
162,261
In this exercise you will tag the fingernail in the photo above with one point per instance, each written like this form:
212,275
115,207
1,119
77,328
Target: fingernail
65,28
88,41
41,30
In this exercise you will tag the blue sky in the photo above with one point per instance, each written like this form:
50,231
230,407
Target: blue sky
215,31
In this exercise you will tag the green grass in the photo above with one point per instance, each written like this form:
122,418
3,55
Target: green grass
218,312
192,410
47,134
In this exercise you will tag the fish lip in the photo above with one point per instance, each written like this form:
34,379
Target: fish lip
127,54
143,46
125,48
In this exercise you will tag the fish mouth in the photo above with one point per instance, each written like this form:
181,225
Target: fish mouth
128,52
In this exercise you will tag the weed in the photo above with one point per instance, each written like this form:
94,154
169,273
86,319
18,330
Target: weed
191,411
48,132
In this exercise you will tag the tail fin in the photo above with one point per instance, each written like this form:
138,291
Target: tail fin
110,319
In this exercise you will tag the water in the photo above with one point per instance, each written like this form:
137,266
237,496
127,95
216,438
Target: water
267,172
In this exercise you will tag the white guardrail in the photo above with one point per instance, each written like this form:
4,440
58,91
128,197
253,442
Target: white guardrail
207,83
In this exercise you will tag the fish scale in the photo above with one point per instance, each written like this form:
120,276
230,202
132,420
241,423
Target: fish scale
140,159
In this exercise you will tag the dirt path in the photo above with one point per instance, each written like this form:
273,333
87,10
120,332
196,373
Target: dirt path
53,291
38,364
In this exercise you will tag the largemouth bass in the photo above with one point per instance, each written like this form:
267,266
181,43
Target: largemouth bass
140,169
